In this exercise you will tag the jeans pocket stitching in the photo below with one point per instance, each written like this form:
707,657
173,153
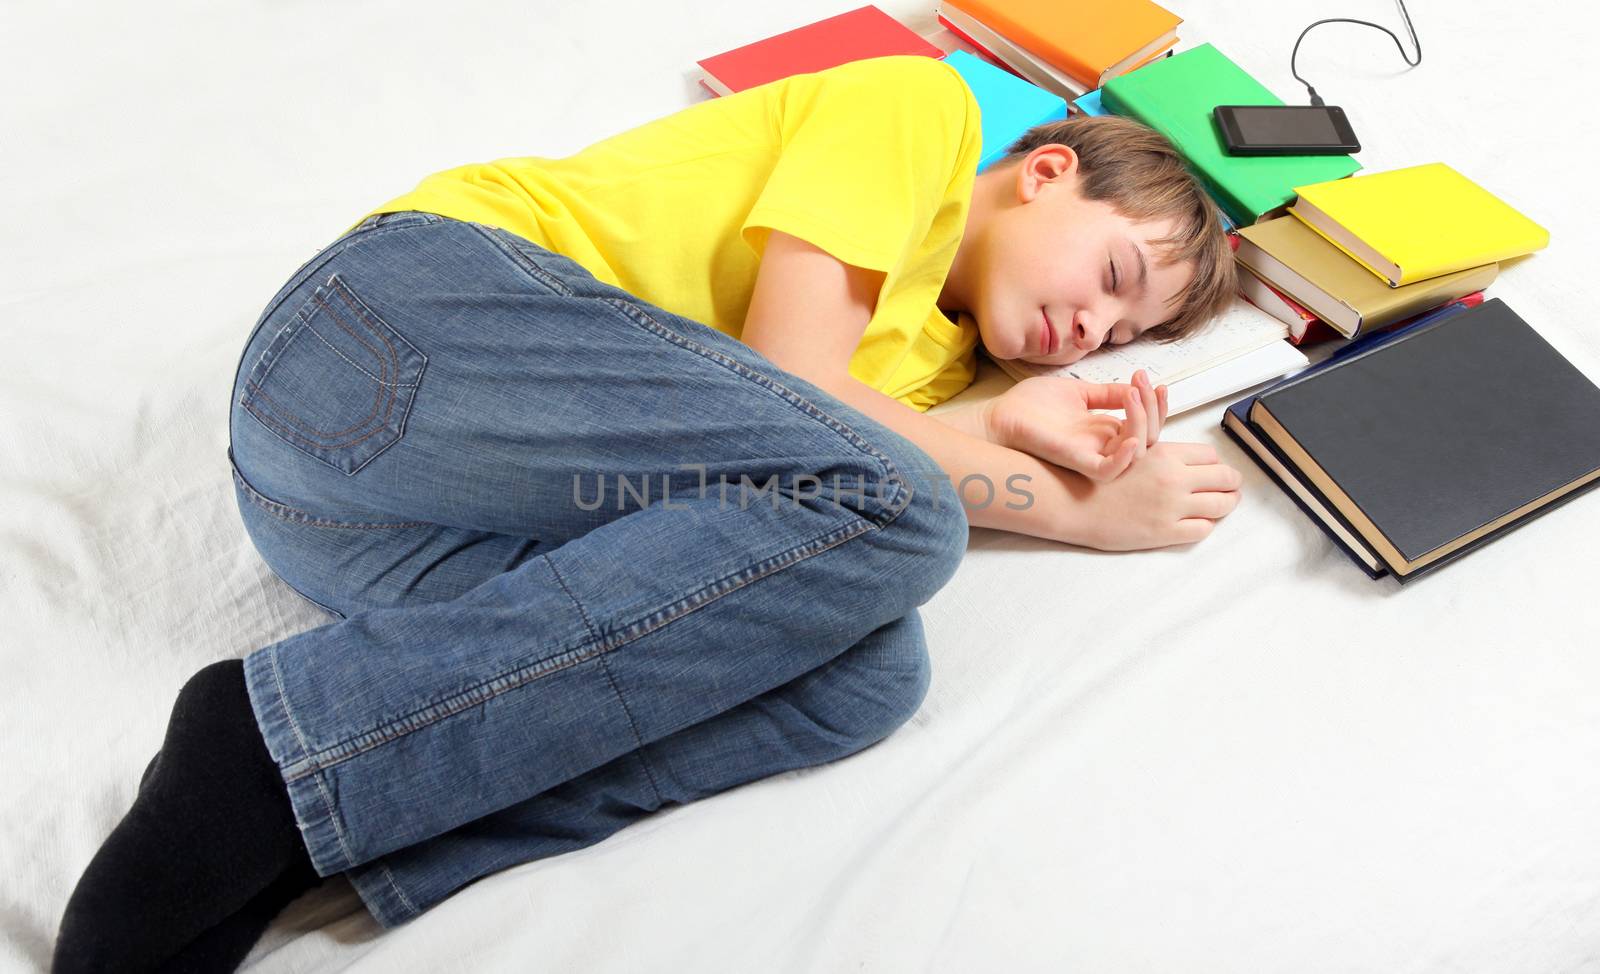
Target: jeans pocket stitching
392,361
355,365
256,392
395,357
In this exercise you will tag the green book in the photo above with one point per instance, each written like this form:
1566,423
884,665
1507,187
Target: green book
1175,96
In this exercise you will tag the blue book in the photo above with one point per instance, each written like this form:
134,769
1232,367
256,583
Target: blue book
1090,104
1009,105
1236,423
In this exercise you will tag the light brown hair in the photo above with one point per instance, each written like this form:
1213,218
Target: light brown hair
1138,171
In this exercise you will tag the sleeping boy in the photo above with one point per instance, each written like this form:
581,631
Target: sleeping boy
812,264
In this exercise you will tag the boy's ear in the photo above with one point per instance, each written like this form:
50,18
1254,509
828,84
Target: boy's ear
1048,164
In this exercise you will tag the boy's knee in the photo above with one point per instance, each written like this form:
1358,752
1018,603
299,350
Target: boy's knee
921,524
911,685
899,692
936,524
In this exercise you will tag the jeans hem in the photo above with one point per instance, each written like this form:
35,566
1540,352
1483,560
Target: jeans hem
382,895
314,811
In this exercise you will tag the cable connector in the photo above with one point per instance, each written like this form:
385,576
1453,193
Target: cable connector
1316,99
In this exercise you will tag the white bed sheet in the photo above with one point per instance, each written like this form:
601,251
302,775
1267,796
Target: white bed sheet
1242,756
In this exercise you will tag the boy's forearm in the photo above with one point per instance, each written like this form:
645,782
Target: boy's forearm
1005,489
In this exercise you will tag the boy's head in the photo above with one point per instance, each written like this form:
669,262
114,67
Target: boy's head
1059,229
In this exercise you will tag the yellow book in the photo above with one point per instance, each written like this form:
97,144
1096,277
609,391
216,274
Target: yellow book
1412,224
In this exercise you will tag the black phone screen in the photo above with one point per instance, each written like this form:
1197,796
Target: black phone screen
1291,125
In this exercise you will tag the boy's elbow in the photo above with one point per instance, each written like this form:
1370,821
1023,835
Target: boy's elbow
834,378
830,377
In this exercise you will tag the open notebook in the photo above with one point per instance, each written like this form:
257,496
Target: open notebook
1240,348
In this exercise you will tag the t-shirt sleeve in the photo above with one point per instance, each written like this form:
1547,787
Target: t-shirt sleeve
951,380
868,152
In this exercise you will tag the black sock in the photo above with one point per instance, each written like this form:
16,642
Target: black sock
211,829
225,946
149,770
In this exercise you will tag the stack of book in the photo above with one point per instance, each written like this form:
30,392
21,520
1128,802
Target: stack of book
1363,253
1062,47
1409,446
1414,446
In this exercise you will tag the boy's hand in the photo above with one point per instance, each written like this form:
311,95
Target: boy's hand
1049,417
1174,495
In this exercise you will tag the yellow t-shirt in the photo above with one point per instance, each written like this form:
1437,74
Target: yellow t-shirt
872,161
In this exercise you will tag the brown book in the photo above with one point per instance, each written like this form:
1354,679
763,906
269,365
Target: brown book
1297,261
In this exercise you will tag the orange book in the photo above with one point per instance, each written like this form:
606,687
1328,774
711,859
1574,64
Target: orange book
1091,40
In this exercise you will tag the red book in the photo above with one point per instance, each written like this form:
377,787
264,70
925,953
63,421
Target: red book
865,32
976,48
1303,325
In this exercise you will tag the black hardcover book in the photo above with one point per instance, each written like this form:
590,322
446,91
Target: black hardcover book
1236,423
1270,459
1443,439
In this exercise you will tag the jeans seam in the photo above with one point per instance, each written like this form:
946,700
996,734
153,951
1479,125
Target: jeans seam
284,512
328,757
398,892
300,740
606,667
523,261
332,250
330,610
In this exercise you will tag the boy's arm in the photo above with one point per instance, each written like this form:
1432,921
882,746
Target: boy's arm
807,315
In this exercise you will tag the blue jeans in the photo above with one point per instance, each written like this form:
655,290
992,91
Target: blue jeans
588,557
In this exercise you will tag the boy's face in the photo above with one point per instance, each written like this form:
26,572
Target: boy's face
1055,275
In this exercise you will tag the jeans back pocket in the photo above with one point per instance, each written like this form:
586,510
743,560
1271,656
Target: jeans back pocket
337,381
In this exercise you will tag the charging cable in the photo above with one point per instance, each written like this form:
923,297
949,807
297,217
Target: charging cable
1316,99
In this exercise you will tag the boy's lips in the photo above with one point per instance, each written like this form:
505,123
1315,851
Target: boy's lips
1047,337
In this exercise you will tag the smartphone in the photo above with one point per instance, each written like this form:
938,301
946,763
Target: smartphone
1285,130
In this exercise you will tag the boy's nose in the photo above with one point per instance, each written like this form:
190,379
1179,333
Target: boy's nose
1085,337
